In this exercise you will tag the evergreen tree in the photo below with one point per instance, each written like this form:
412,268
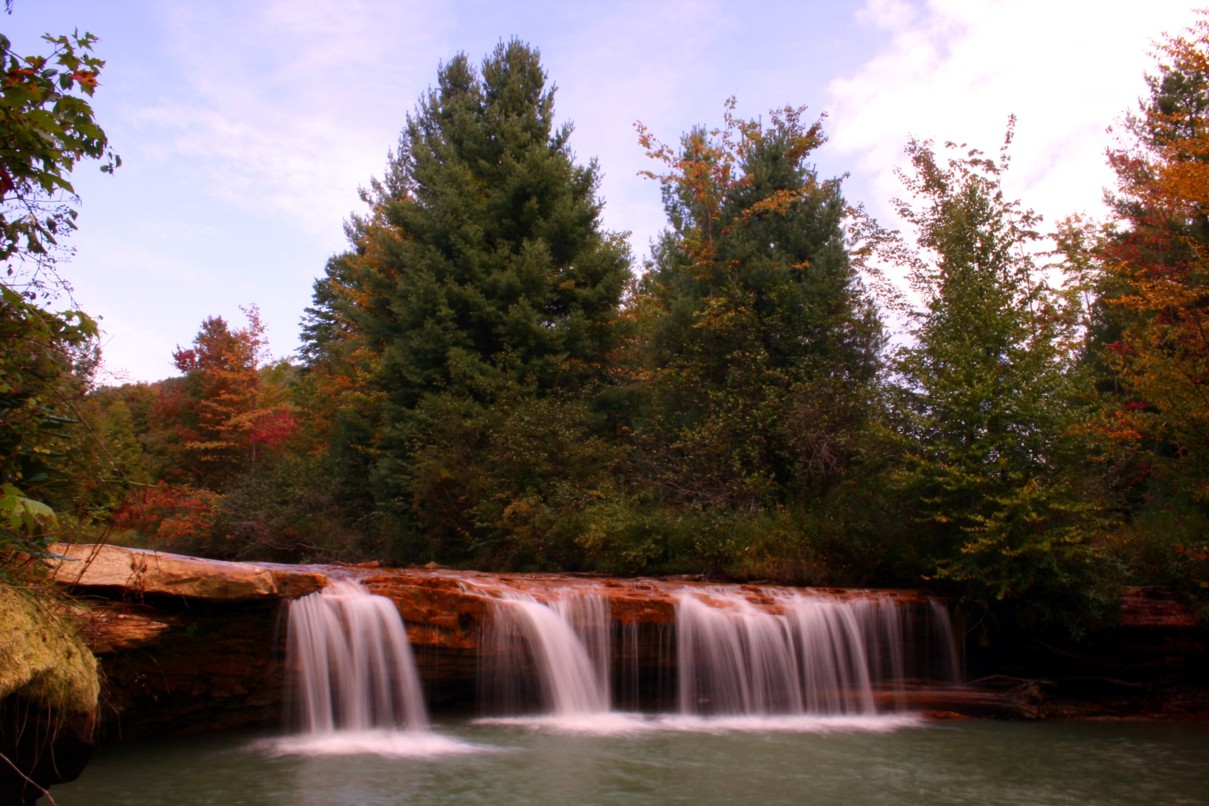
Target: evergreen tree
1156,274
479,281
760,342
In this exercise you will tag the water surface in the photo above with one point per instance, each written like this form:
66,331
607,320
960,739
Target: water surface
647,760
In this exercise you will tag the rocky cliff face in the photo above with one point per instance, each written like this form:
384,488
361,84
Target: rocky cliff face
186,645
190,645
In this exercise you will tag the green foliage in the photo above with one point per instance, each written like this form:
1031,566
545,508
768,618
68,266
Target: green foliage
46,128
1166,542
479,286
759,347
39,355
474,391
482,261
991,400
502,486
289,512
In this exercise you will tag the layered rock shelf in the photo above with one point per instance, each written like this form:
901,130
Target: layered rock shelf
190,645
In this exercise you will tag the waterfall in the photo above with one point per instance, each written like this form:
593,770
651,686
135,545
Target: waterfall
738,652
730,652
796,653
563,647
351,662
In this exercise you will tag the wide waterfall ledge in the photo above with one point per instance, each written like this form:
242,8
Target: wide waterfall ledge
556,658
731,659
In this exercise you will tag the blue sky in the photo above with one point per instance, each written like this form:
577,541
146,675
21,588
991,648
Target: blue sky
246,128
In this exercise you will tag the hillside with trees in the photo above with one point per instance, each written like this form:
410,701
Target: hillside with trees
488,382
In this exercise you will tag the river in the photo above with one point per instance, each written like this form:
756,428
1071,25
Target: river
619,759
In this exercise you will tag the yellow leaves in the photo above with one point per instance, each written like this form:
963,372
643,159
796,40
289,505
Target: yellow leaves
1184,179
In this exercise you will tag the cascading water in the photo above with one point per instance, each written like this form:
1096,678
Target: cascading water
737,653
352,664
798,654
563,647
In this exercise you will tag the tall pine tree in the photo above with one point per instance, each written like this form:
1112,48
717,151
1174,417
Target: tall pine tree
479,285
760,341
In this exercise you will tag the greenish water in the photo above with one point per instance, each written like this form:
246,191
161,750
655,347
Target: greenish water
647,761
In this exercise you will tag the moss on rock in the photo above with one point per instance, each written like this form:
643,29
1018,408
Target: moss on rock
42,658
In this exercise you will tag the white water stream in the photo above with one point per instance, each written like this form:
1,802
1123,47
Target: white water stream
784,660
354,683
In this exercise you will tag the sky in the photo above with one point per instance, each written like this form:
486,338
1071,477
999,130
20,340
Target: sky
247,128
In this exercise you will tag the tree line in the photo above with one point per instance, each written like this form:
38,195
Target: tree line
486,382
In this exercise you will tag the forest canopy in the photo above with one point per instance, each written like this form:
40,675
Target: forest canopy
486,381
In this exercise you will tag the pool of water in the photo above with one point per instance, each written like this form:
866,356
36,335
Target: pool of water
633,760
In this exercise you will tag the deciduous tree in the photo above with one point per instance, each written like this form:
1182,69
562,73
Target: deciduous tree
222,415
991,398
46,128
1156,263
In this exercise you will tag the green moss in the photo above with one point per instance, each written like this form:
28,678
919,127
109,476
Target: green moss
41,656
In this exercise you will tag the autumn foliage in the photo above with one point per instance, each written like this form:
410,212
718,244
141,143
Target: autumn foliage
1156,264
483,382
225,420
172,516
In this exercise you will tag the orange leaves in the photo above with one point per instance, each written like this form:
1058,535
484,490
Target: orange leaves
779,202
1157,263
20,75
228,410
709,171
85,78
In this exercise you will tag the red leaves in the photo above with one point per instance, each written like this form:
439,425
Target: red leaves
224,412
168,512
274,428
19,75
1196,553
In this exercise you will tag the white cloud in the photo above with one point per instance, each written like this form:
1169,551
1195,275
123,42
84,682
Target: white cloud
956,69
289,111
247,127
